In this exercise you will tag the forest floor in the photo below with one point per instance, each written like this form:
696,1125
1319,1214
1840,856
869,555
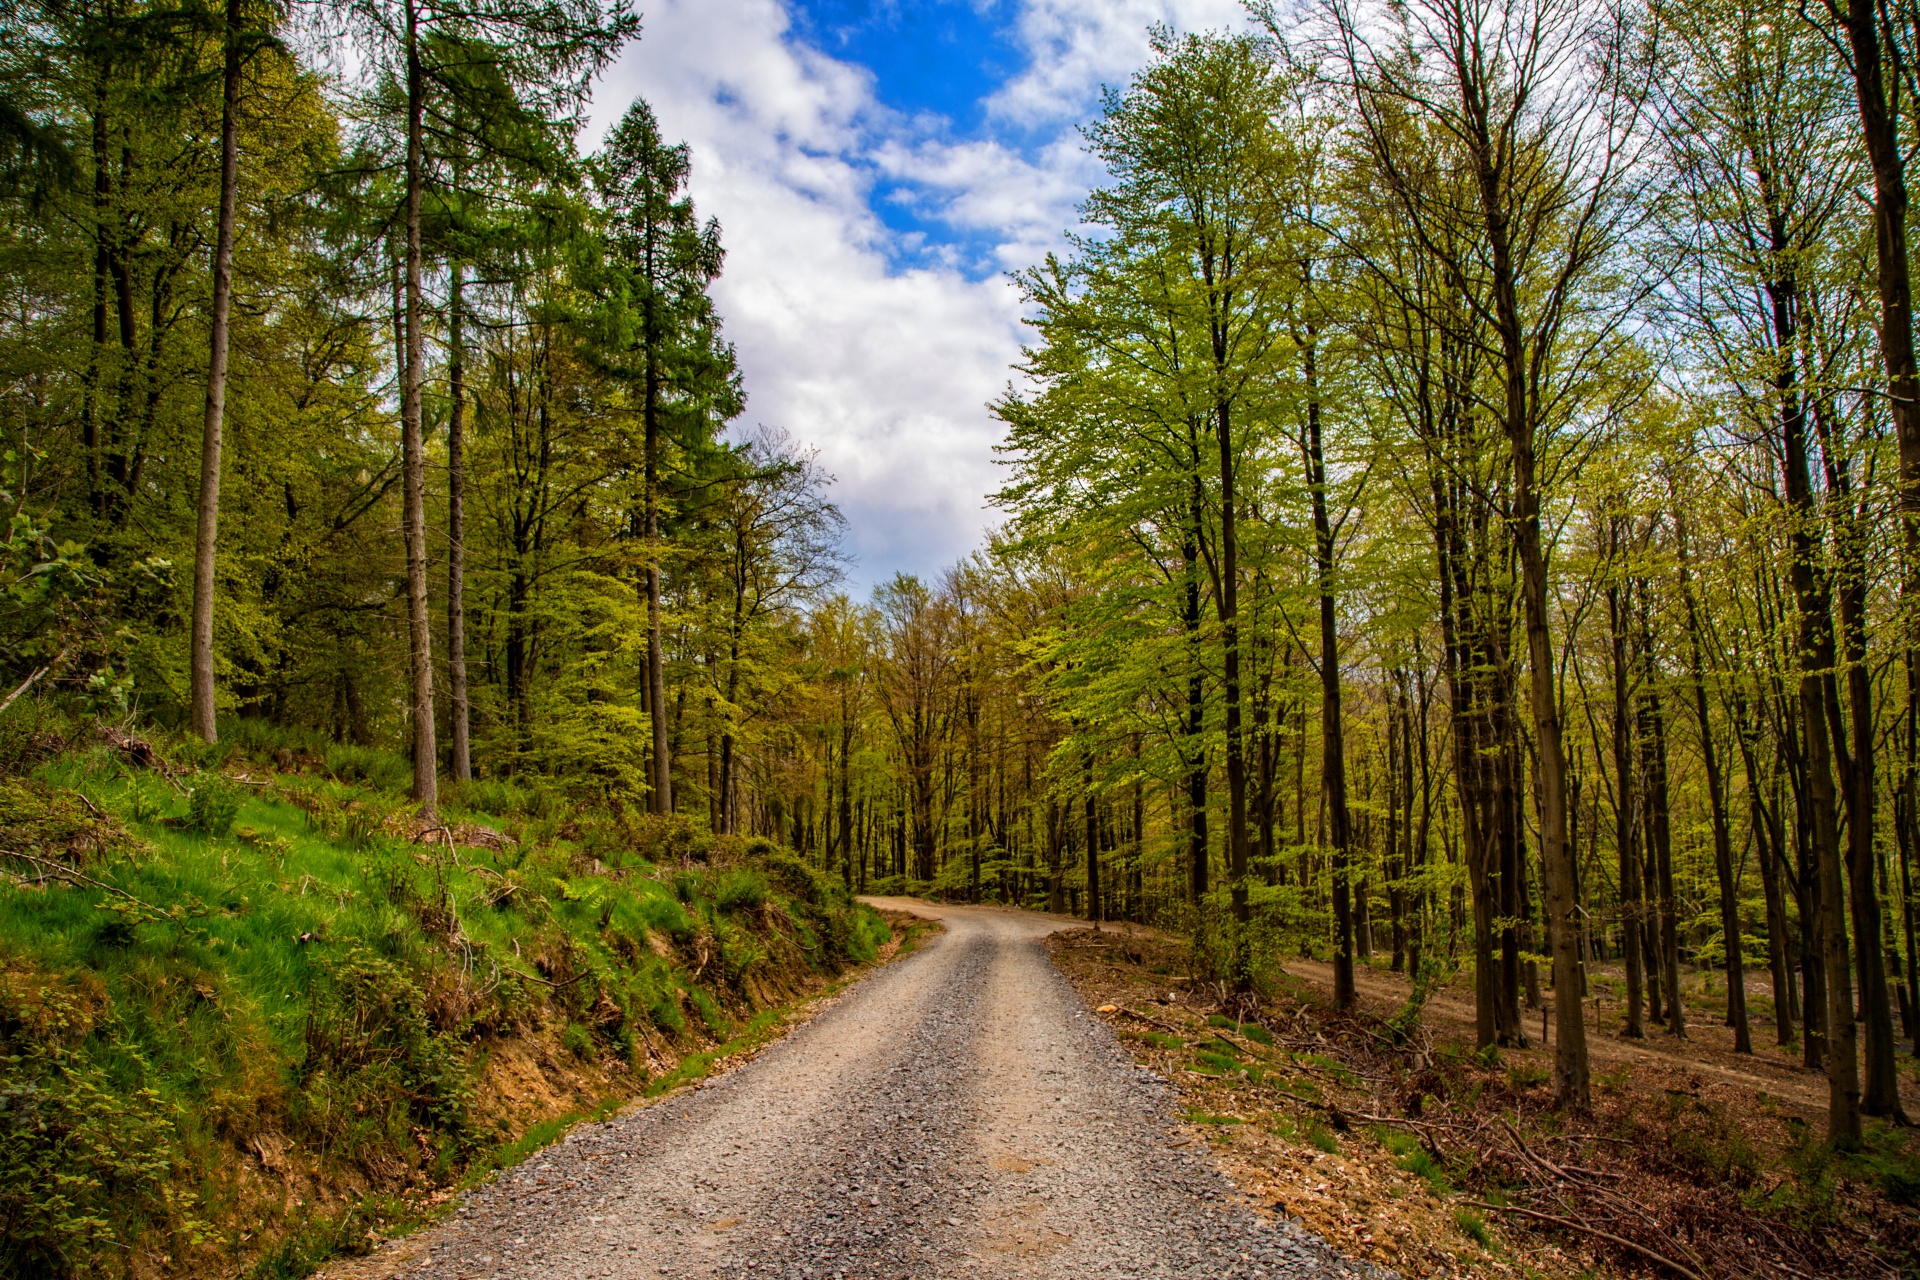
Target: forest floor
1398,1143
956,1113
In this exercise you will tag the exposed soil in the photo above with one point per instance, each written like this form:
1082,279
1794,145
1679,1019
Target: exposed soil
957,1113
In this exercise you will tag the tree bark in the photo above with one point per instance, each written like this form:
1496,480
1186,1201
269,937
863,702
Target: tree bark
1333,759
1722,842
457,712
1880,132
1195,749
413,462
662,763
1229,610
1769,837
1094,900
1626,819
206,533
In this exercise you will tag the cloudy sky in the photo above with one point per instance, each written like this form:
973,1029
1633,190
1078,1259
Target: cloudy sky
878,166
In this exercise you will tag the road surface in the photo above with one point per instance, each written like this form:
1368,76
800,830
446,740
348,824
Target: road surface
957,1113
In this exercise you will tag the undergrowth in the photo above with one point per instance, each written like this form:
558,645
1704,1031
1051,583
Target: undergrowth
248,1012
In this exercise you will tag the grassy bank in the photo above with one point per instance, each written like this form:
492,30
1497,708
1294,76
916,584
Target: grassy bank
252,1009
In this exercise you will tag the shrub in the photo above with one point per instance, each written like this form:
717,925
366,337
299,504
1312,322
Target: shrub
579,1042
801,882
383,770
58,824
666,1015
212,806
85,1160
372,1052
740,891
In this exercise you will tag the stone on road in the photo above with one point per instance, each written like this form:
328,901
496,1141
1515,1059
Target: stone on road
957,1113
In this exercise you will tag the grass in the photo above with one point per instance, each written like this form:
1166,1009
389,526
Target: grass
1208,1118
233,976
1414,1158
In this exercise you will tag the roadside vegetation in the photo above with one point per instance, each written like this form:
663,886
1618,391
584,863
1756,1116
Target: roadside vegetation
254,1011
1400,1142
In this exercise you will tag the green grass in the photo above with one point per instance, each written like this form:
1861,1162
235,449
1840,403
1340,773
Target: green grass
1251,1030
252,965
1413,1157
1208,1118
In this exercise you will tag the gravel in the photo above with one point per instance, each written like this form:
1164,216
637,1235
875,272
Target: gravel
957,1113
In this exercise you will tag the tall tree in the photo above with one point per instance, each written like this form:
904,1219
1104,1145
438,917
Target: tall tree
545,53
667,259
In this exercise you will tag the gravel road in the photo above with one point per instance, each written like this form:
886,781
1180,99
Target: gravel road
957,1113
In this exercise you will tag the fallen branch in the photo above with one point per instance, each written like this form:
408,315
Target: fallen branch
1150,1021
1571,1225
53,869
1553,1170
28,682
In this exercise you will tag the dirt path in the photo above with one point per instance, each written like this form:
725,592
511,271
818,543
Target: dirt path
958,1113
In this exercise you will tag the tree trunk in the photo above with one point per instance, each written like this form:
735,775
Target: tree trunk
457,713
1722,842
1093,845
1333,759
1195,747
662,779
1768,837
1664,934
414,517
206,534
1229,610
1626,819
1570,1075
1816,655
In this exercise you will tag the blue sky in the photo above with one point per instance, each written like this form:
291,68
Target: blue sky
938,62
940,56
878,167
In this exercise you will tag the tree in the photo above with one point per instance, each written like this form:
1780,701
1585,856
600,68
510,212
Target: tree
667,260
546,52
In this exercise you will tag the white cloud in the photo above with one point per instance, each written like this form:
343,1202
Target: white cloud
886,369
1076,46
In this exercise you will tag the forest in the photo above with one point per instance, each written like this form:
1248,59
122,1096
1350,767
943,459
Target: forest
1461,506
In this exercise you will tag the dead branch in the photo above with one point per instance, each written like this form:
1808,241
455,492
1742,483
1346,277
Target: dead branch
28,682
1573,1225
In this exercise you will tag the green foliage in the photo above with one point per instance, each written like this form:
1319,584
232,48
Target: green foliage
381,770
309,979
1522,1076
742,890
1473,1227
87,1144
1206,1118
579,1042
212,805
1411,1155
